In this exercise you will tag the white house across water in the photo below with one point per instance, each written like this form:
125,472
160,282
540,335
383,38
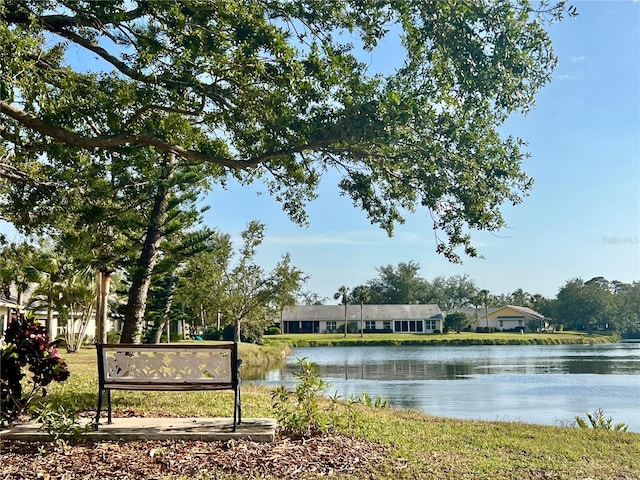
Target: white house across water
375,318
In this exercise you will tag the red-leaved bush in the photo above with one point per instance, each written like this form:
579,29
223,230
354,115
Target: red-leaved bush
26,346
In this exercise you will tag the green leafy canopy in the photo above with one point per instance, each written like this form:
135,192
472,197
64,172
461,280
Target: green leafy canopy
278,91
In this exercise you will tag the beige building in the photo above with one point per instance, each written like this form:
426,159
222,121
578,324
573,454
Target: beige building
512,317
375,319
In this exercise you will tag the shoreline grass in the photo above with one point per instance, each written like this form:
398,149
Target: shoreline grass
423,445
447,339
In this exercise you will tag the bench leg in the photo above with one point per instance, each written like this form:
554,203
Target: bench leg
109,406
239,403
98,408
237,408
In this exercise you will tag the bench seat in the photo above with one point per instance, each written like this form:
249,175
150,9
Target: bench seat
168,367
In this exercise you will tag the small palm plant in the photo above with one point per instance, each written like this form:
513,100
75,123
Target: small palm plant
598,421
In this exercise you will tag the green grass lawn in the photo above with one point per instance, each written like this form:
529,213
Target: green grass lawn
425,446
463,338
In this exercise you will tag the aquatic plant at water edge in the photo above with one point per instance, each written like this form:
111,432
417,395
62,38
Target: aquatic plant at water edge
598,421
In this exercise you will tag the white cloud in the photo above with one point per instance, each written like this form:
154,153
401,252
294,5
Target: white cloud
580,58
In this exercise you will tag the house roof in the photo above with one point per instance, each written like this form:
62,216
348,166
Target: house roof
471,312
8,302
369,312
523,310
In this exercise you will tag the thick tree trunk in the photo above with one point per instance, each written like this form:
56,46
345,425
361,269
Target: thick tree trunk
141,278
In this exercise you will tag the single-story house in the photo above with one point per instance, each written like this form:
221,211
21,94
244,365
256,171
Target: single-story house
7,309
513,317
375,318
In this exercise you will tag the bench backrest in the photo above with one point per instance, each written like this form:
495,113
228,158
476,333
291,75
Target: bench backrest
172,366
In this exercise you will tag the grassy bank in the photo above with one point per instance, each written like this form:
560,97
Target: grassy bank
452,339
253,357
424,446
260,356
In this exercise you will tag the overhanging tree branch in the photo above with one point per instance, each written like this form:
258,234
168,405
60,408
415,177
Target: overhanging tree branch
61,135
67,137
14,175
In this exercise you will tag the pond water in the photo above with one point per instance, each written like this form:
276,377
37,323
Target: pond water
535,384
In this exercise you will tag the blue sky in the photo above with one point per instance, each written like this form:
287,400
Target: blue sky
582,218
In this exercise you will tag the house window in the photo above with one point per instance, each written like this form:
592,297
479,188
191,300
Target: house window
409,326
501,323
370,325
431,324
520,323
331,326
387,323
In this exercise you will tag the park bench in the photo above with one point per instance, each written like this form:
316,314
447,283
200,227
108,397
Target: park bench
168,367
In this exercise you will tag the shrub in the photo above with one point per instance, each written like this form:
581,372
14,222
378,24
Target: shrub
250,332
228,332
485,329
113,337
59,423
298,412
26,345
212,333
273,331
456,321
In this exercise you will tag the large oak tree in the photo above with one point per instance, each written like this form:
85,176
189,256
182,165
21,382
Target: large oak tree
277,92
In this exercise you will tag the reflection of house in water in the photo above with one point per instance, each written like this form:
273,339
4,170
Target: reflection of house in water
399,370
375,318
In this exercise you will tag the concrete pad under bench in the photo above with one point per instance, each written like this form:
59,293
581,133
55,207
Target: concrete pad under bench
161,428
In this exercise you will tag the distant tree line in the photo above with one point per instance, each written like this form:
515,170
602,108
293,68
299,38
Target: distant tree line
596,304
221,292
